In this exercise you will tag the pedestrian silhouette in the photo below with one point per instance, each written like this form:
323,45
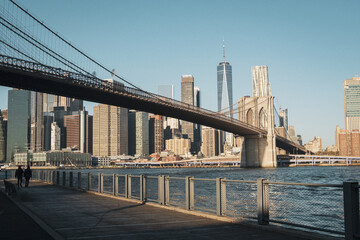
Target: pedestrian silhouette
19,175
27,175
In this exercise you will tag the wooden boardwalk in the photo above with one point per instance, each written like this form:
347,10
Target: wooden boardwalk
71,214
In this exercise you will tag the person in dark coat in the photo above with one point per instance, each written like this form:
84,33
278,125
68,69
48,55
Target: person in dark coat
27,175
19,175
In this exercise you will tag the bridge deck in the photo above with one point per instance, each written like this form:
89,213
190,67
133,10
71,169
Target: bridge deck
79,215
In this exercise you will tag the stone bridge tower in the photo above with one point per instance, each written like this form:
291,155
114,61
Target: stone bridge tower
258,150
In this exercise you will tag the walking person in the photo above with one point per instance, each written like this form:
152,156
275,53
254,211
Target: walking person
19,175
27,175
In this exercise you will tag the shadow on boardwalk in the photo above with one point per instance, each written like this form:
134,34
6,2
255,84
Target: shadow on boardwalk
71,214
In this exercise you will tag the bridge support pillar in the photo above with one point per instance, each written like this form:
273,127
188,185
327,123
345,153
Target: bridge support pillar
260,151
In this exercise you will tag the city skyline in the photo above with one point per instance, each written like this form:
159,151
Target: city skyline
308,58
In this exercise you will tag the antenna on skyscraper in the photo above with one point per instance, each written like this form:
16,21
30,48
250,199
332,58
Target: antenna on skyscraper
224,50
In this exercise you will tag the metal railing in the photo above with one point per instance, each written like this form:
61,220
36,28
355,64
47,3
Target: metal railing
327,208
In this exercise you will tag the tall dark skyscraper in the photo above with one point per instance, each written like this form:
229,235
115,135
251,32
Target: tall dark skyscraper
187,96
19,116
224,85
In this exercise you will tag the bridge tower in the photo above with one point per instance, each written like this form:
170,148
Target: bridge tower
258,150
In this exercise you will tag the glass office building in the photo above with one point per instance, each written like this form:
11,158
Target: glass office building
19,115
224,87
351,88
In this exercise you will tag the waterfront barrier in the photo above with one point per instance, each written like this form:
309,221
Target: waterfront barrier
326,208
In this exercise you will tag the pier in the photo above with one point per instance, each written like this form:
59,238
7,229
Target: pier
70,214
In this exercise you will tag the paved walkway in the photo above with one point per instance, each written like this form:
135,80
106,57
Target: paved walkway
72,214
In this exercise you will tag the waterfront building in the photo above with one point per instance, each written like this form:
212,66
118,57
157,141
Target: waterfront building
37,122
349,142
110,130
19,116
283,119
142,134
351,90
314,146
2,138
156,134
179,146
53,158
187,96
260,81
211,142
132,132
4,114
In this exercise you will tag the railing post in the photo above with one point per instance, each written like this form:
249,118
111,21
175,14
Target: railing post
64,178
115,184
161,189
189,192
89,181
100,182
351,210
53,175
142,188
71,178
263,201
79,180
220,196
6,174
58,177
127,186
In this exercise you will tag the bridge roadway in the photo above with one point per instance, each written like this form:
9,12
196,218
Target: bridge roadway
70,214
27,75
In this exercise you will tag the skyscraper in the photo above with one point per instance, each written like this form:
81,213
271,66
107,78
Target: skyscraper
187,96
156,134
197,127
224,85
142,134
260,81
37,122
2,139
351,88
166,91
132,132
283,119
18,132
110,130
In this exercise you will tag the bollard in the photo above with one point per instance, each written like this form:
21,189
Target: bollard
79,180
89,181
189,192
142,188
351,210
263,201
64,178
71,179
115,184
220,196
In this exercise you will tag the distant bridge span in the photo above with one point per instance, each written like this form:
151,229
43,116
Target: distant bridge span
18,73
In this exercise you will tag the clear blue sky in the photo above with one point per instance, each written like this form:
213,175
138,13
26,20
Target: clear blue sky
310,47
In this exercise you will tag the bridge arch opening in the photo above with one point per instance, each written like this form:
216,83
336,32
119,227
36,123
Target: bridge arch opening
249,117
262,119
